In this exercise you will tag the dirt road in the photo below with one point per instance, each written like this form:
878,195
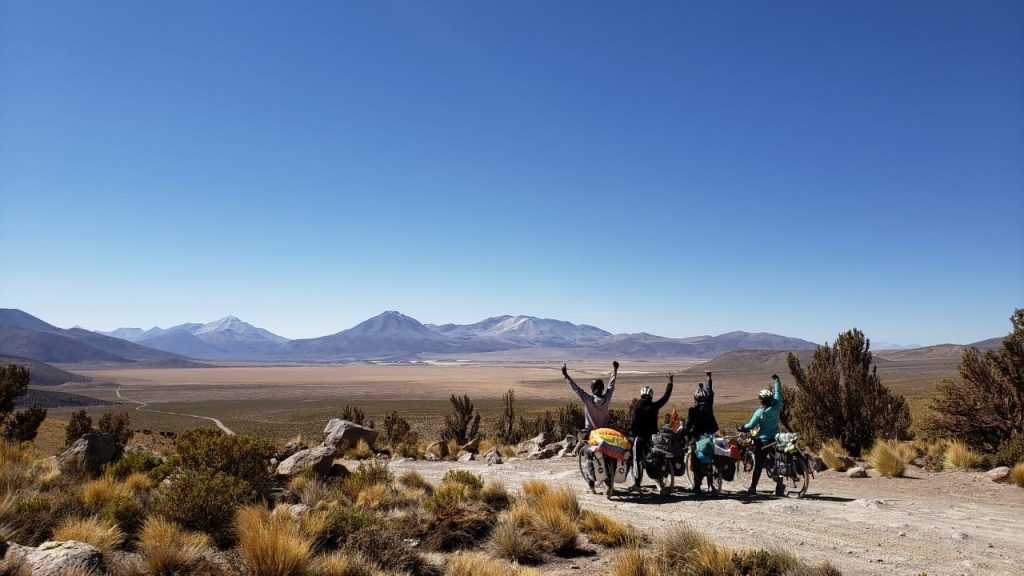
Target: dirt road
142,408
945,523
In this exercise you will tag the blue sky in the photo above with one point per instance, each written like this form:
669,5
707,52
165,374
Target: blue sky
679,168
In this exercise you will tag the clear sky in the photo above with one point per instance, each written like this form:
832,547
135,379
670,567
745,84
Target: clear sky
679,168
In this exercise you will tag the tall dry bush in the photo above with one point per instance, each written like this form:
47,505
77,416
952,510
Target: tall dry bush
463,422
840,395
985,406
17,426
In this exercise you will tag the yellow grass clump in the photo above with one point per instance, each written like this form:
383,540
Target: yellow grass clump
271,544
534,489
453,448
633,562
563,499
138,482
606,531
510,541
495,495
477,564
376,497
830,453
341,564
886,457
960,455
485,445
167,549
558,530
361,451
413,479
106,537
908,452
1017,474
96,493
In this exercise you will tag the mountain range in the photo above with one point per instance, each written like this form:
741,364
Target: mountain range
388,336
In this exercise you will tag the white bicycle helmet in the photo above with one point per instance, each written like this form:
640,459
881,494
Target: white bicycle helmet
647,392
765,394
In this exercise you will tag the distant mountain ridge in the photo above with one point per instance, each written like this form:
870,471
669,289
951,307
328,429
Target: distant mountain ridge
225,339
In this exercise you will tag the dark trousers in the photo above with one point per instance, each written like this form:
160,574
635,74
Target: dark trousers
641,446
759,456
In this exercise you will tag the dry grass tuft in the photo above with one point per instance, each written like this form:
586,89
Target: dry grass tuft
341,564
606,531
886,457
138,482
453,449
106,537
830,453
168,550
561,498
97,493
413,479
1017,474
485,445
361,451
534,489
496,496
377,497
271,544
312,492
472,564
633,562
907,451
510,541
960,455
557,530
675,547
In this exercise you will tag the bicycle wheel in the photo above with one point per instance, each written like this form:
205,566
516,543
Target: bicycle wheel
637,468
586,469
715,480
800,477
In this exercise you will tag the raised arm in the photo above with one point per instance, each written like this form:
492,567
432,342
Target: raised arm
668,392
711,390
615,374
777,389
572,383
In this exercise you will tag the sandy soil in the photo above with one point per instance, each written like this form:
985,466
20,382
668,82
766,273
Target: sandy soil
945,523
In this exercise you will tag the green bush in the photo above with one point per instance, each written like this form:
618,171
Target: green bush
245,457
340,522
132,462
466,478
367,474
117,425
126,512
204,500
79,425
1010,452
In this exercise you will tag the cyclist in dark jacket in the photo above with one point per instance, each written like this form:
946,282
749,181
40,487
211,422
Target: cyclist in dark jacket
701,420
644,423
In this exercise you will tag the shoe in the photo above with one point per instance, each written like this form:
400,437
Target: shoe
635,488
752,491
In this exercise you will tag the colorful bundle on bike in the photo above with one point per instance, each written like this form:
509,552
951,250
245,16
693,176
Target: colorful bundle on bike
610,443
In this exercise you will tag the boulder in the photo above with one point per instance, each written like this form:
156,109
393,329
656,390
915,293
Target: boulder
90,453
320,459
342,432
857,472
1000,474
570,441
58,558
541,454
467,457
438,449
471,446
289,449
492,456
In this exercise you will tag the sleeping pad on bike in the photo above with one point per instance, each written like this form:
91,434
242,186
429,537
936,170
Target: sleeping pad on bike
610,443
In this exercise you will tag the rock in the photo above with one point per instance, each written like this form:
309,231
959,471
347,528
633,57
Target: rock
438,449
846,462
565,453
538,439
492,456
818,465
541,454
293,511
467,457
570,441
320,459
58,558
289,449
342,432
338,471
471,446
857,472
430,457
90,452
959,536
1000,474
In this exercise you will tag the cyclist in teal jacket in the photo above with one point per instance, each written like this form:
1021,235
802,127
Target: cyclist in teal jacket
766,419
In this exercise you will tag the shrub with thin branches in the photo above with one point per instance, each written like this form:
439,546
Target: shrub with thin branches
462,423
78,425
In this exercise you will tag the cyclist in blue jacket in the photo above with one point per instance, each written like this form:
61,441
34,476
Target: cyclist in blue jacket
766,419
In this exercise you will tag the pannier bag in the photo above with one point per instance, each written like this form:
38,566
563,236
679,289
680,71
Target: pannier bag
786,441
609,442
705,448
724,448
728,467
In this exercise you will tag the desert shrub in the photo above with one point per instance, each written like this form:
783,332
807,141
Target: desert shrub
78,425
960,455
764,562
132,462
168,550
32,517
831,452
496,496
341,564
366,474
458,527
126,512
462,423
17,426
397,430
509,539
407,449
1010,452
543,423
103,535
633,562
1017,474
985,406
336,523
383,546
270,544
606,531
466,478
887,459
117,425
413,479
840,395
617,419
353,414
570,419
361,451
506,429
205,501
245,457
138,483
451,494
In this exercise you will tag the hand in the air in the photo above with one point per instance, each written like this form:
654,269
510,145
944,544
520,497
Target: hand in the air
775,376
565,371
615,365
669,378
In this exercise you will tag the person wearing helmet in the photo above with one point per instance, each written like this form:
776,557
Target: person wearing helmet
644,423
766,420
595,404
700,420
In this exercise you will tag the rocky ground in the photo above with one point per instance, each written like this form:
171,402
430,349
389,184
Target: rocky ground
942,523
